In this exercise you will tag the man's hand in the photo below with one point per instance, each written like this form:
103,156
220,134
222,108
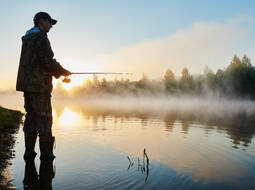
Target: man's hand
63,72
66,73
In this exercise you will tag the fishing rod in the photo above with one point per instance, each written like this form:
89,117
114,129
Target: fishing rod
100,73
68,80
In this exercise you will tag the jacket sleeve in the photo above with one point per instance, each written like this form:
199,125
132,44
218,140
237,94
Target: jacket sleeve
45,55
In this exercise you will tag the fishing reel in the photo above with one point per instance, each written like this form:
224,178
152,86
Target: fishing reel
66,79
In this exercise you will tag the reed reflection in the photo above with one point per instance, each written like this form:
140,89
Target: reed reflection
142,166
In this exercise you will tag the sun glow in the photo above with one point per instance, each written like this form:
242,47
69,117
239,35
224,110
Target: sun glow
75,81
69,118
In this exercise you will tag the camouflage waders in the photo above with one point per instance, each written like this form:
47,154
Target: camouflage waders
38,121
39,114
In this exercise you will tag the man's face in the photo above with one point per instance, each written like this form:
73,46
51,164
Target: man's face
45,25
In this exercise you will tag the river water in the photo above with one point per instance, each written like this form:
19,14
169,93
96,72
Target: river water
104,149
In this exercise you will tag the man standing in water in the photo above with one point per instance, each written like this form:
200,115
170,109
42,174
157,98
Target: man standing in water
36,68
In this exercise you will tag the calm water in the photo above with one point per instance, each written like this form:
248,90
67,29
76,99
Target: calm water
185,152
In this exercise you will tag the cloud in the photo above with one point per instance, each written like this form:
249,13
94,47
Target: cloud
203,44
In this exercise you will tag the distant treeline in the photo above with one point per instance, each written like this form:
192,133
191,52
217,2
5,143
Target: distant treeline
237,80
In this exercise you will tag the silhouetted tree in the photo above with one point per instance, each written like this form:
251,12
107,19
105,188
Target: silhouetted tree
169,81
240,77
186,83
237,80
246,61
96,82
210,78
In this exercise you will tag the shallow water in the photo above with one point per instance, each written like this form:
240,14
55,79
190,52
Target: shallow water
184,152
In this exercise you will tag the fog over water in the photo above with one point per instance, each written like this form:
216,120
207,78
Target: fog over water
163,104
214,111
160,105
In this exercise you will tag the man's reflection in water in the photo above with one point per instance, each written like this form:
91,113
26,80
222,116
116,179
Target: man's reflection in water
43,181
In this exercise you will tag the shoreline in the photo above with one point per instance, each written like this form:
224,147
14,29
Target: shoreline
10,121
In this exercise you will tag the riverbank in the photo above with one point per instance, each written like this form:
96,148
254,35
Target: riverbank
9,124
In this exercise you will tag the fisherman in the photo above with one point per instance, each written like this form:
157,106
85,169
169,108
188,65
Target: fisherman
36,69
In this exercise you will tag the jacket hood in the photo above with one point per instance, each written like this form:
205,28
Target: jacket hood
32,30
31,33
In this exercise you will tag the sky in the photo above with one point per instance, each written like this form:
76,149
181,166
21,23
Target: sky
145,36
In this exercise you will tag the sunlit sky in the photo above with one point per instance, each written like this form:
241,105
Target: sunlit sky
132,36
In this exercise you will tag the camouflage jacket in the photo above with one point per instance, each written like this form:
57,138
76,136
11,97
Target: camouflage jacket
37,66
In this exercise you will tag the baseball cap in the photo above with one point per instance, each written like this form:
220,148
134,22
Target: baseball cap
44,15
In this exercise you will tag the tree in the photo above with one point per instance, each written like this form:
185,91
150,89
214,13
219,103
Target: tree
96,82
236,62
239,77
144,78
207,71
169,75
185,74
187,83
143,83
104,82
169,81
220,80
210,78
246,61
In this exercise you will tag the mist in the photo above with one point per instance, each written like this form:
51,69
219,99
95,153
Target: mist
226,96
161,106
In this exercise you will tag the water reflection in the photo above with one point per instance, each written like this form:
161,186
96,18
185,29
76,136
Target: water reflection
43,181
205,148
186,149
239,126
68,118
